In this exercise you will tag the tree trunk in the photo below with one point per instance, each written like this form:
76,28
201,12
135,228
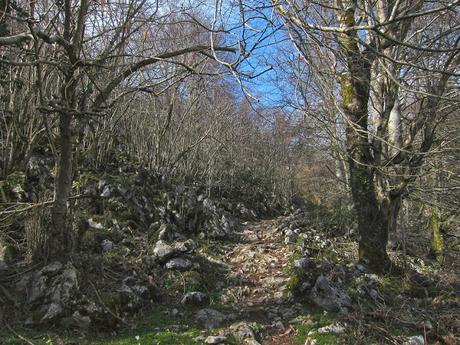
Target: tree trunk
59,239
371,204
374,219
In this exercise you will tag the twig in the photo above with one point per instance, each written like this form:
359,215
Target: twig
18,335
106,308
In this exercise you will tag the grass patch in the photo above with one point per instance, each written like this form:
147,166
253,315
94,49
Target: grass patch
312,322
157,328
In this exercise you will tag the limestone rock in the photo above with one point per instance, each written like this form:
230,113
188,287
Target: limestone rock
95,225
163,251
107,245
244,332
332,329
415,340
51,291
215,339
194,298
291,237
179,264
327,295
186,246
209,318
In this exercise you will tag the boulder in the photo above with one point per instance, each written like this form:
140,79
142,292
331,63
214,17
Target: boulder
328,296
209,318
163,251
50,292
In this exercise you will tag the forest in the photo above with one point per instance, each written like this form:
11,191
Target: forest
252,172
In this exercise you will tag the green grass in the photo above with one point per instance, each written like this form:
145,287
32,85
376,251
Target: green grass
312,323
154,329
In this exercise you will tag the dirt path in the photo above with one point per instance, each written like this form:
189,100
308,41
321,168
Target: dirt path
260,259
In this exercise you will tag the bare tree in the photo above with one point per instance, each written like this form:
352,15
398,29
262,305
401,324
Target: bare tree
95,49
395,64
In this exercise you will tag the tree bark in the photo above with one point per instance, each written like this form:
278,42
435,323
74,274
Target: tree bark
374,218
59,240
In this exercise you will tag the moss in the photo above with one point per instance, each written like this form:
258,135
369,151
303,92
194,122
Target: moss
294,282
349,17
347,92
86,177
391,285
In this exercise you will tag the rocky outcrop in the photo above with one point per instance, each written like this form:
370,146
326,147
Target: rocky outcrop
51,292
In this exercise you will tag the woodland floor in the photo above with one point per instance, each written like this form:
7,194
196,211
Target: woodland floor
258,261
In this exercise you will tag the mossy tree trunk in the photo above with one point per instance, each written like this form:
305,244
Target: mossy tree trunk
373,209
